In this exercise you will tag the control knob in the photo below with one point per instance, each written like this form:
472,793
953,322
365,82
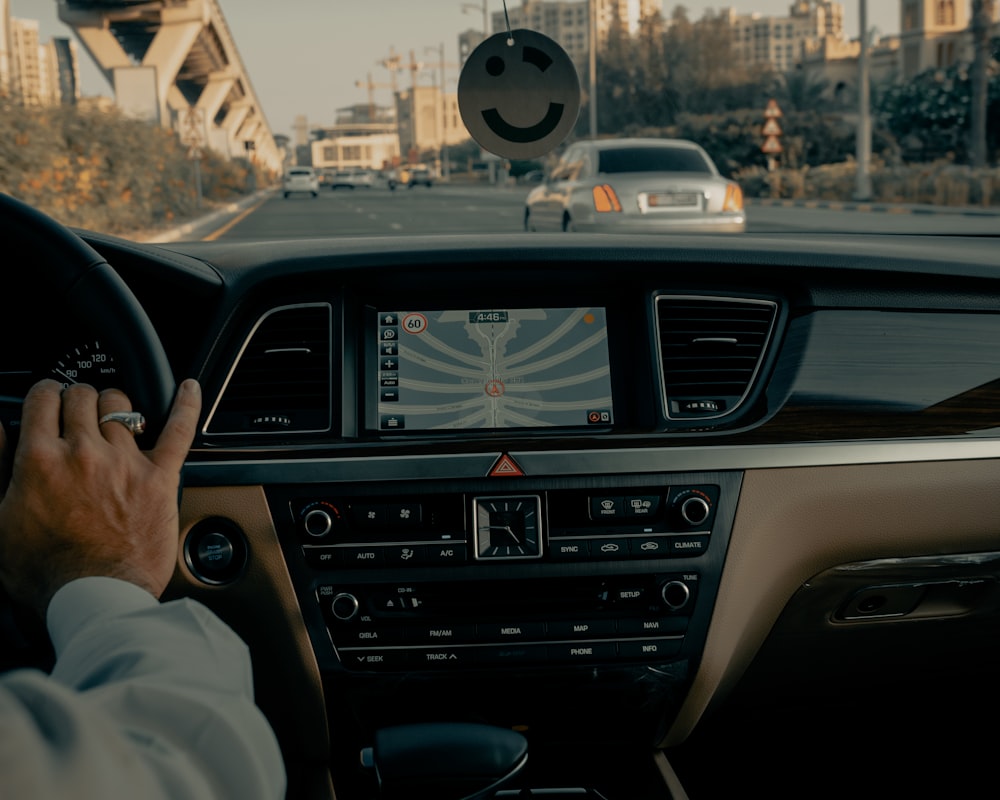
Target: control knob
319,519
695,510
344,606
675,594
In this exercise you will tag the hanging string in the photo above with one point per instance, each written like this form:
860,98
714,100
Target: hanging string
506,16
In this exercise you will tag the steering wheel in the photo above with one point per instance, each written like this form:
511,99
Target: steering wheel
77,276
79,279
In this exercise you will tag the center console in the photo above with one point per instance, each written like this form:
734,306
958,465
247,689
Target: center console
565,607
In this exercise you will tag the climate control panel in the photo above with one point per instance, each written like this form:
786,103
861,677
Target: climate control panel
555,526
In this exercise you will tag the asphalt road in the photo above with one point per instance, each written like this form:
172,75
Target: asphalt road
488,210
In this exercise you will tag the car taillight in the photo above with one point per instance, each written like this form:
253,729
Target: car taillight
734,198
605,199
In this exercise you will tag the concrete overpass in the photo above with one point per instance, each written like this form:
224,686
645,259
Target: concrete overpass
176,62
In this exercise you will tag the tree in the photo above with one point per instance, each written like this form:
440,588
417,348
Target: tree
982,17
930,115
804,91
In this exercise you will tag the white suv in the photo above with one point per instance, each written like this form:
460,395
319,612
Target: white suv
301,179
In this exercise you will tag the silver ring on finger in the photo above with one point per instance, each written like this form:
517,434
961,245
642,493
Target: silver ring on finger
133,420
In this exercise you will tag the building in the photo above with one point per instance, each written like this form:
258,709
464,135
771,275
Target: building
568,22
834,63
428,120
365,145
59,72
467,42
780,42
33,73
27,76
4,47
363,135
933,34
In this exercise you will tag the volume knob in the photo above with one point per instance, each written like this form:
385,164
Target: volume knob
344,606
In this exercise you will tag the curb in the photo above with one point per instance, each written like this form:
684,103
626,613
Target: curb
880,208
210,218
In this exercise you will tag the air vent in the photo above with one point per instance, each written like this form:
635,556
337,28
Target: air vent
281,381
711,349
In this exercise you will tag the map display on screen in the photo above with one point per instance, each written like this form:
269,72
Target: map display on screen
493,369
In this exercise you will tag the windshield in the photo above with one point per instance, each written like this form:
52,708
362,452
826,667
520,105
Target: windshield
123,118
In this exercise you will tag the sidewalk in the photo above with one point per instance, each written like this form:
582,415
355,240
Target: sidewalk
210,220
883,208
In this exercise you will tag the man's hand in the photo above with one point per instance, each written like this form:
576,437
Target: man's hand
87,501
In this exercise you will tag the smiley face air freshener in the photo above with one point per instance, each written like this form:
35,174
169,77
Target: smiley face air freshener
519,94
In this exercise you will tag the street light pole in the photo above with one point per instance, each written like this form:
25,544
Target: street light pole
445,167
592,90
863,144
475,7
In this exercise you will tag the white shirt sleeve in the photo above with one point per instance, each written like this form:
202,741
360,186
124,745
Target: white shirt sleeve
146,701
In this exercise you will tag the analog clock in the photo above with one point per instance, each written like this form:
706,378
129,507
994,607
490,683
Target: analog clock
508,527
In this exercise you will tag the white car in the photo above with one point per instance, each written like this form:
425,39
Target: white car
301,179
635,186
351,178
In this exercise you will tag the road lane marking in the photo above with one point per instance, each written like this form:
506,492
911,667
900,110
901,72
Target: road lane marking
234,221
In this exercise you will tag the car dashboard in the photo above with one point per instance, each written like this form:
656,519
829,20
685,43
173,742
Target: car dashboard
627,496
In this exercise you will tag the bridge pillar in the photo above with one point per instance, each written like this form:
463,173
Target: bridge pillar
232,124
190,58
212,98
178,31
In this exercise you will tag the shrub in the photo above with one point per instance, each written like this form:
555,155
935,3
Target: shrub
106,172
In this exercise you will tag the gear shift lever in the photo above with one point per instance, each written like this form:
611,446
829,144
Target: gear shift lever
444,760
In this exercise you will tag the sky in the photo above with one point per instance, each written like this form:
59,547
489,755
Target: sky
305,56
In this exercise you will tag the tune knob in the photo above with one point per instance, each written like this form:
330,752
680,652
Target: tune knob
344,606
675,595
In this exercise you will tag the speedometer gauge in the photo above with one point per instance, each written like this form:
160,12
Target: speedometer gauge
87,363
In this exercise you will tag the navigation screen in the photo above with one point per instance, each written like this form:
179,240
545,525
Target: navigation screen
493,368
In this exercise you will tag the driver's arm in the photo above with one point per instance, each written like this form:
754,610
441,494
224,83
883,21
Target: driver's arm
146,699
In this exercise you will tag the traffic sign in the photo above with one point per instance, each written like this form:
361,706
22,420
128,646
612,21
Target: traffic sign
773,110
771,146
772,128
193,127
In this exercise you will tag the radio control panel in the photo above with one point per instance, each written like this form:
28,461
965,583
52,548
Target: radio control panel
413,626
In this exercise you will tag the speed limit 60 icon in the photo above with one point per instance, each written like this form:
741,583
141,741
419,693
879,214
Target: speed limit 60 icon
414,323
